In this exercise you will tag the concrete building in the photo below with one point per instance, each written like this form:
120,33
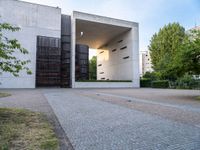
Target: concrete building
51,39
196,28
193,28
146,65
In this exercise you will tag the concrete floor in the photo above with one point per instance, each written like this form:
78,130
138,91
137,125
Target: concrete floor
123,118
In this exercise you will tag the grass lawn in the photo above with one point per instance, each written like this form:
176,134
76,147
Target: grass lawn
4,94
198,98
25,130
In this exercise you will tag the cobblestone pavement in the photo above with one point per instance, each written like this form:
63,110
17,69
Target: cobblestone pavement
121,119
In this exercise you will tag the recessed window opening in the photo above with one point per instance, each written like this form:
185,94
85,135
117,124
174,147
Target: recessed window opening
123,48
99,65
119,41
101,52
126,57
114,50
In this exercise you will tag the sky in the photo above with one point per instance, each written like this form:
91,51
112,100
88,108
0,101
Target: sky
150,14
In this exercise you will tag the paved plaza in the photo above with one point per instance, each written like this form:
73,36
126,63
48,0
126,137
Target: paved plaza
124,118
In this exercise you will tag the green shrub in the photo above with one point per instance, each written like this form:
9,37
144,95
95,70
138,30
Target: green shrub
188,82
151,75
104,81
160,84
144,82
195,84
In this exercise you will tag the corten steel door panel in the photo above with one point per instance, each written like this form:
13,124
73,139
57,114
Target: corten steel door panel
48,61
82,62
65,50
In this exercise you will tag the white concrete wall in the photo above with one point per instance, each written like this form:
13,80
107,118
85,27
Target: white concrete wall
73,50
135,56
113,65
33,20
129,70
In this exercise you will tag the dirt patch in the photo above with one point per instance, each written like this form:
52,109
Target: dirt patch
198,98
23,129
4,94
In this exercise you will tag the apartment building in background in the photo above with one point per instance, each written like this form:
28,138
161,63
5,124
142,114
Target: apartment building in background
145,62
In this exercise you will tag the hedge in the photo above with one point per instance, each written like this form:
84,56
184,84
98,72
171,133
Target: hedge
144,82
160,84
192,84
104,81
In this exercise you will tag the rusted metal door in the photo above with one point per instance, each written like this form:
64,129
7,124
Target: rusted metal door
48,62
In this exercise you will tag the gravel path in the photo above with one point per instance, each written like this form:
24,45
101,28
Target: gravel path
94,121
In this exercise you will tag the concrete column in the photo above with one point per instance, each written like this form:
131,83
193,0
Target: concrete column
135,41
73,47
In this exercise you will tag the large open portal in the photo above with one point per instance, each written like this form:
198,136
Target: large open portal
116,42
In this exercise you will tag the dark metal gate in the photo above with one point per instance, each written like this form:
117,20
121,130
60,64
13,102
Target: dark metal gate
82,62
66,50
48,61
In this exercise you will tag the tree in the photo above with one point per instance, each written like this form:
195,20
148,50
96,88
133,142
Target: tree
93,68
151,75
8,61
163,48
188,57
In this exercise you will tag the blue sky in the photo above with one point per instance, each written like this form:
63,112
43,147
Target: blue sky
150,14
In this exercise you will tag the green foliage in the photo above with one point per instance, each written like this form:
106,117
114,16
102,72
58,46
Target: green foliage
188,58
174,52
152,75
198,98
187,82
93,68
8,62
163,48
145,82
148,77
160,84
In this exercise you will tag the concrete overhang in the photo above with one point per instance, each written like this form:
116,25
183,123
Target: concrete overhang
96,31
99,32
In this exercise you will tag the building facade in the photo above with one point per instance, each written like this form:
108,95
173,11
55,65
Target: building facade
146,65
58,47
196,28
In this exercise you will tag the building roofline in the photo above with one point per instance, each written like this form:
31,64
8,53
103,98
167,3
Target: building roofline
195,28
38,4
77,15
